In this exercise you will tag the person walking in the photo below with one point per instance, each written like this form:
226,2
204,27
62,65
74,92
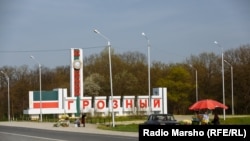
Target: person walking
83,119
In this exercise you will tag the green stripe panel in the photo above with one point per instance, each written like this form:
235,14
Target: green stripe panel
78,110
45,95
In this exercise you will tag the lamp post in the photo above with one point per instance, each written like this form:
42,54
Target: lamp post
110,73
231,86
8,81
40,79
222,71
149,95
196,82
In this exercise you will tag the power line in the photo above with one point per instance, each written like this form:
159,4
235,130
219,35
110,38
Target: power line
48,50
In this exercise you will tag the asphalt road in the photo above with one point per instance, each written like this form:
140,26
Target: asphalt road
10,133
30,131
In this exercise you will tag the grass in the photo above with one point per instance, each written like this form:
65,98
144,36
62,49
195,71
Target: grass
236,121
122,127
135,127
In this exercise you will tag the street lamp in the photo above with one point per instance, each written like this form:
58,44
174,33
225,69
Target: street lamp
222,71
196,82
231,86
110,73
41,117
149,95
8,81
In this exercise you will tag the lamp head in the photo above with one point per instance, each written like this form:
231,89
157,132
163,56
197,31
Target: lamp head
215,42
143,34
96,31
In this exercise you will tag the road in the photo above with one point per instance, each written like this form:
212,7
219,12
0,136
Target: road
10,133
29,131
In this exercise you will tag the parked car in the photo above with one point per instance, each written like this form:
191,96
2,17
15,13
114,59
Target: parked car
161,119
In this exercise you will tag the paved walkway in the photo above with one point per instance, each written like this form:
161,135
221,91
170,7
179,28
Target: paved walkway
90,128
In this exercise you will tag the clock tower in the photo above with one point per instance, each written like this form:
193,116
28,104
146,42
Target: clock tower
76,76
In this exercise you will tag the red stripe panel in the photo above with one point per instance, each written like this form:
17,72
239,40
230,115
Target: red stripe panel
46,105
76,52
77,82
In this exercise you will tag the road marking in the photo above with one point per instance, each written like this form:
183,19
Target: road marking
32,136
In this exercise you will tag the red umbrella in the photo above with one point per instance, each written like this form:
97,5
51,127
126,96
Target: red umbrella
207,104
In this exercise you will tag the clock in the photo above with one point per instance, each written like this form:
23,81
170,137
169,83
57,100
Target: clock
77,64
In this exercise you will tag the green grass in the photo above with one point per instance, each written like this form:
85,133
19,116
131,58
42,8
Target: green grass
125,128
135,127
236,121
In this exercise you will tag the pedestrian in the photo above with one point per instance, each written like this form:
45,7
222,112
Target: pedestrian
196,118
83,119
77,122
205,119
216,120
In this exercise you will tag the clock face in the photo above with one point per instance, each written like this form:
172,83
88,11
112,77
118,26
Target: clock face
77,64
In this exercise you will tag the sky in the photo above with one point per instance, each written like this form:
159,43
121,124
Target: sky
176,29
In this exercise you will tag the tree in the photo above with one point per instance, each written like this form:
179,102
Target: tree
136,64
240,59
208,67
125,83
92,84
178,85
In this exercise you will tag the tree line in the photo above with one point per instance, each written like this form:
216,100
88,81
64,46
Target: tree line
130,77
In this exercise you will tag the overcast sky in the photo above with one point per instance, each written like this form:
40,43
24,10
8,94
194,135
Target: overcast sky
177,29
